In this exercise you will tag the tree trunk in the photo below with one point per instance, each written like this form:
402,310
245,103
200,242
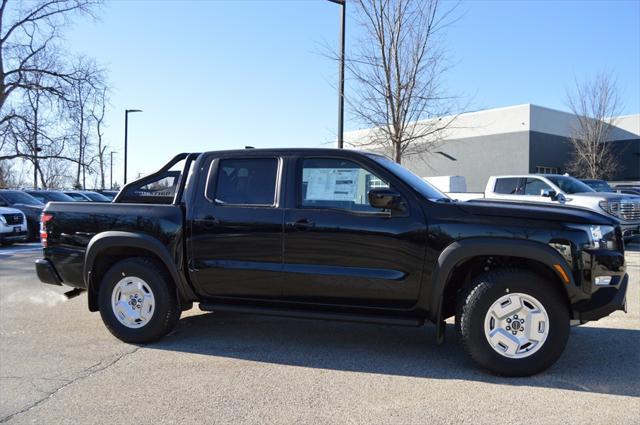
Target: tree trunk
397,155
43,182
101,158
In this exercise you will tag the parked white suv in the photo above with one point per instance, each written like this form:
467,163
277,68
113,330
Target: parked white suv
554,188
13,226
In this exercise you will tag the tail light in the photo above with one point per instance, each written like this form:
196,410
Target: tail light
45,218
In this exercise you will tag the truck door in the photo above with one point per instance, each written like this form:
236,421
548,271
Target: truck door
338,249
235,229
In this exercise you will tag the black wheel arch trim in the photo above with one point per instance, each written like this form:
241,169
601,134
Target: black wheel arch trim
114,239
458,252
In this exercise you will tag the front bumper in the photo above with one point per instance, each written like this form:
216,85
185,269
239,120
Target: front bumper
630,231
47,273
604,301
13,236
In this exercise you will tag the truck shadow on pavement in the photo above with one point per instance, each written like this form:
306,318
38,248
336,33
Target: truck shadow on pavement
596,360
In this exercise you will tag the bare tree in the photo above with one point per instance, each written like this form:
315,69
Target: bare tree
27,31
84,101
397,71
55,173
34,133
98,116
5,174
596,105
34,72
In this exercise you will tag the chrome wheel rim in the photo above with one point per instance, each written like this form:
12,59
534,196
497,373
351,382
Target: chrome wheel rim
133,302
516,325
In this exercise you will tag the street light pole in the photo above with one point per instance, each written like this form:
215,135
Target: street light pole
111,172
126,131
343,13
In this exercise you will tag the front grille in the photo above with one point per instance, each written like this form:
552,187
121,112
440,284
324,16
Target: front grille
13,219
630,210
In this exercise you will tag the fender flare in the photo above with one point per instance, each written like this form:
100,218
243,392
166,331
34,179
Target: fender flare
114,239
460,251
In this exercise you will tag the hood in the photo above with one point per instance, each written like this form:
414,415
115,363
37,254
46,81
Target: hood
31,211
8,210
608,196
37,208
534,211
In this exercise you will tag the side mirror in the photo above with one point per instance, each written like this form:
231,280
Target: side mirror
387,199
549,193
561,198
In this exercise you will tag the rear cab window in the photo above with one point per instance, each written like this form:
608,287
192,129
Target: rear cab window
157,188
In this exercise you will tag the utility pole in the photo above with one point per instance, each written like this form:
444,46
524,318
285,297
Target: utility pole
126,131
111,172
343,13
36,149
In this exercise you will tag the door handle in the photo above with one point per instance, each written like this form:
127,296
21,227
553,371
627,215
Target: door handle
303,224
209,221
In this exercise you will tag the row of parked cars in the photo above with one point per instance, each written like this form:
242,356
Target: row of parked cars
20,209
603,186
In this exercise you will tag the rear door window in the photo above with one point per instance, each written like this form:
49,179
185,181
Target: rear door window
508,186
245,181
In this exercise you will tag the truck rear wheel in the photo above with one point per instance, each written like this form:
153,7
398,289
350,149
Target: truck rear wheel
138,301
512,322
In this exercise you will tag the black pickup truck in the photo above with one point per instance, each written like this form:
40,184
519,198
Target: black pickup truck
339,235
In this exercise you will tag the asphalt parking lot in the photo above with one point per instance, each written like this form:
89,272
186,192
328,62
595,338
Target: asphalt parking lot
59,364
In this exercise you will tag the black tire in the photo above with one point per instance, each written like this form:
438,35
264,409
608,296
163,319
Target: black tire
166,312
475,300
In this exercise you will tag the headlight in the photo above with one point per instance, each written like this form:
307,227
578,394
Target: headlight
602,237
2,219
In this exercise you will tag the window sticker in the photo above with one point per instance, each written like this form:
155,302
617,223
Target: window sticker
330,184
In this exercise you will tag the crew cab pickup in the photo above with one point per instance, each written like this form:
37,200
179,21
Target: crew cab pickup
338,235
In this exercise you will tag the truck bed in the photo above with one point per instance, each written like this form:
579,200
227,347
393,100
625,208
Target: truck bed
74,224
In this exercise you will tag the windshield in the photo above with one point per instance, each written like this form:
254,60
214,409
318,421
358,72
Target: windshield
424,188
569,185
97,197
76,197
19,198
599,185
108,195
51,196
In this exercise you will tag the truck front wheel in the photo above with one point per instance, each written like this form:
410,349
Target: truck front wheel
512,322
138,301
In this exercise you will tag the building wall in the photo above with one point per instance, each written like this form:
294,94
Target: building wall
475,158
550,150
628,152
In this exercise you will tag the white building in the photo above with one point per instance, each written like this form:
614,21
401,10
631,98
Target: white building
514,140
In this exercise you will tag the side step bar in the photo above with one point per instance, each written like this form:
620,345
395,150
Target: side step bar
316,315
